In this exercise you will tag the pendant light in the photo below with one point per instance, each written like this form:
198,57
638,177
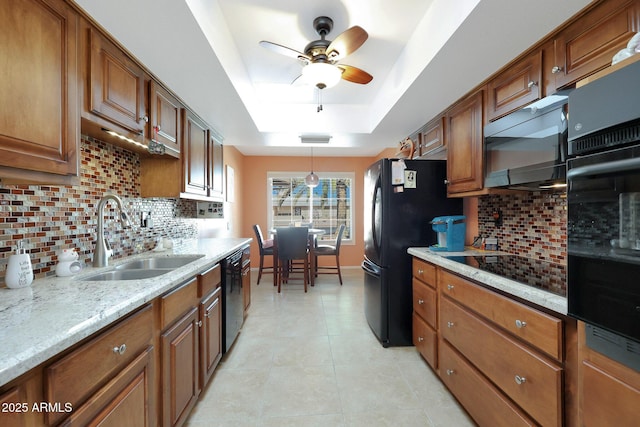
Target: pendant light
312,179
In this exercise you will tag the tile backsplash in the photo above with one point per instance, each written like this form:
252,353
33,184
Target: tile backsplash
534,224
48,218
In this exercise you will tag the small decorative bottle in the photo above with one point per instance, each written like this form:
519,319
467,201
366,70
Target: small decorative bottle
19,270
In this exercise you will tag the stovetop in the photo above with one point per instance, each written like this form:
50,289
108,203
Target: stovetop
539,274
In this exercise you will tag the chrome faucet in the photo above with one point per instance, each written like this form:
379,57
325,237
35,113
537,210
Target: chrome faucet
103,250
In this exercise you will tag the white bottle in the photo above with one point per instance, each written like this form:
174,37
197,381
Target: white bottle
19,271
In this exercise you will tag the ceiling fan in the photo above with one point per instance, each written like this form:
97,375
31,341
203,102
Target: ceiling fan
320,57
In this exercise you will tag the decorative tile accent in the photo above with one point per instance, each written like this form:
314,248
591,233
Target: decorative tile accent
534,224
52,217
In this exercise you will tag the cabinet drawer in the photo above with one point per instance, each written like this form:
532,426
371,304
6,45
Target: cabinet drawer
177,302
425,272
424,302
209,281
80,373
532,382
536,328
485,403
426,340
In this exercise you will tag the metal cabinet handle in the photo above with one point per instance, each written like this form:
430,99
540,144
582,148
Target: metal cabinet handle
145,119
450,324
520,380
420,301
420,272
420,339
450,372
532,84
520,323
447,182
200,323
556,69
450,287
120,349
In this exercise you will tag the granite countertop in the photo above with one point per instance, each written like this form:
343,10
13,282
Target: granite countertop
539,297
54,313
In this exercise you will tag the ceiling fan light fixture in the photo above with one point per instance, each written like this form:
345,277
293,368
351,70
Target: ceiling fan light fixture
321,74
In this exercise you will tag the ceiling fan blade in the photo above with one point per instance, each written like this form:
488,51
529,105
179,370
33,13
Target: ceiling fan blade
354,74
283,50
346,43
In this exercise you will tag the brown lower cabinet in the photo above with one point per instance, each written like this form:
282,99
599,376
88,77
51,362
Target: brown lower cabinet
609,391
504,361
147,369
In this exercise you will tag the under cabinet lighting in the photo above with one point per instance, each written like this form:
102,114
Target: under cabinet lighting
553,186
125,138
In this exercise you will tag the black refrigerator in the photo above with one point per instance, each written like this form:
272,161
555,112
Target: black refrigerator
401,198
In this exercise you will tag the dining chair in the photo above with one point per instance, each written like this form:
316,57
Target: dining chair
329,250
291,243
265,248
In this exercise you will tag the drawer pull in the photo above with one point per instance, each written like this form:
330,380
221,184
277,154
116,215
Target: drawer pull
120,350
520,324
520,380
420,272
450,287
420,301
420,339
450,372
450,324
200,323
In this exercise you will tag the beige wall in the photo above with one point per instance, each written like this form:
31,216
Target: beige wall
254,193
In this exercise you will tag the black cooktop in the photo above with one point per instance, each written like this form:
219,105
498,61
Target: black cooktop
539,274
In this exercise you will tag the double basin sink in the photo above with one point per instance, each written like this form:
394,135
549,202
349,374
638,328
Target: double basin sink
143,268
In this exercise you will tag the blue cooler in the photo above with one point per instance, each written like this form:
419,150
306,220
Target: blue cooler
451,231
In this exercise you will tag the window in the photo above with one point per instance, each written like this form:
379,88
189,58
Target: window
326,206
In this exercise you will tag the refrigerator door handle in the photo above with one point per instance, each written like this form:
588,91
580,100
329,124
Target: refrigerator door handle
377,200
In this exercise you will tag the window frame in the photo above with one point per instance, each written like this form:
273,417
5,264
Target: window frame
351,239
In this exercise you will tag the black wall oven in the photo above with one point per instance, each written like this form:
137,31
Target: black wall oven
603,228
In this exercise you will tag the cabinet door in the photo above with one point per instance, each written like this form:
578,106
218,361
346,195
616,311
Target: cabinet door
607,399
515,87
164,118
589,44
195,155
180,387
217,167
116,86
465,164
39,119
432,138
127,400
14,412
210,335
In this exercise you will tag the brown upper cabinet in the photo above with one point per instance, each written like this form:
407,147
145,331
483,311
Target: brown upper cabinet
588,44
199,173
115,91
165,122
39,124
516,87
431,139
465,164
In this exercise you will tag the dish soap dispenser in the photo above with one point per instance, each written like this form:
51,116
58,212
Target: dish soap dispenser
19,271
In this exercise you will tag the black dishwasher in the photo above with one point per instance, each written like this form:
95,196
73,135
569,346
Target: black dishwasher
232,303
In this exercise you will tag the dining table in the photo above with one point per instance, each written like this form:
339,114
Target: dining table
313,233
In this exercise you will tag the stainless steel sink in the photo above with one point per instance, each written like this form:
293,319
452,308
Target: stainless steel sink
126,275
158,263
143,268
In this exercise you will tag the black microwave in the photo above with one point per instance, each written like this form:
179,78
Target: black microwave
528,148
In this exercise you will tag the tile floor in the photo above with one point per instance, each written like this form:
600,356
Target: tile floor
311,360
